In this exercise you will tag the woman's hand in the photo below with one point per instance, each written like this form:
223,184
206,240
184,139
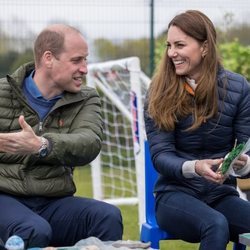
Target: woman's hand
240,162
205,169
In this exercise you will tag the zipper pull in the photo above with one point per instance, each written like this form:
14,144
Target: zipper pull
40,126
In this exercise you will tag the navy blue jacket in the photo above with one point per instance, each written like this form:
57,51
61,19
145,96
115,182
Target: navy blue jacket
213,139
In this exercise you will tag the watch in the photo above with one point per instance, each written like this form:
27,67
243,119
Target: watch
43,150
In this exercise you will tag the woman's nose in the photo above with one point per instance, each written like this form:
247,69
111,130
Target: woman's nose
172,52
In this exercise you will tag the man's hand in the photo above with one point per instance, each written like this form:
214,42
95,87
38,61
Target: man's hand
23,142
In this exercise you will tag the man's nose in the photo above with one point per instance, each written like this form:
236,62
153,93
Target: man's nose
83,68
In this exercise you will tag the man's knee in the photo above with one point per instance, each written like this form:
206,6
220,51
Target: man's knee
36,235
117,219
111,226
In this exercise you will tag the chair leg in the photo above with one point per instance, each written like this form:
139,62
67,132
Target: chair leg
153,234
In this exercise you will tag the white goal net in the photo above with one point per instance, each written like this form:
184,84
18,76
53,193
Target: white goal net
118,171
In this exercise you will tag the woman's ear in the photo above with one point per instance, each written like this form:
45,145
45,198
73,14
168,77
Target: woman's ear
204,49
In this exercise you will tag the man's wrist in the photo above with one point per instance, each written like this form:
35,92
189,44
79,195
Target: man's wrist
44,147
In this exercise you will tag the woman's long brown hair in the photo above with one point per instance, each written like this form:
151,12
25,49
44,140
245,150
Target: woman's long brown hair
168,100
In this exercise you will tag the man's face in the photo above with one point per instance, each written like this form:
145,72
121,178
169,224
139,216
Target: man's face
70,66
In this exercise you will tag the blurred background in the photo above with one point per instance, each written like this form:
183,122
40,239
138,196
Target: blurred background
118,28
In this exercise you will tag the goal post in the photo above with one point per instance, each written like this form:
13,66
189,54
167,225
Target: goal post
118,171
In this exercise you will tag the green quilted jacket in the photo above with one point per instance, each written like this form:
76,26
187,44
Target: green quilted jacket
73,127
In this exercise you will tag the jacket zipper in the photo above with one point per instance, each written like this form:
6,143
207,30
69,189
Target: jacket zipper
40,128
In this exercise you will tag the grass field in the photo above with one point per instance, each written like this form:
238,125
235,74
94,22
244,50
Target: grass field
83,181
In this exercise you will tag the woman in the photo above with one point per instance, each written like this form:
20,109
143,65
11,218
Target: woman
194,113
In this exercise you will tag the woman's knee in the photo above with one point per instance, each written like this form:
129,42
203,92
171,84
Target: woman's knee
218,226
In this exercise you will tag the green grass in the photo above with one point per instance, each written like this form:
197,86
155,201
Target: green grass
83,181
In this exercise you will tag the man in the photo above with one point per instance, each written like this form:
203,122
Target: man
49,123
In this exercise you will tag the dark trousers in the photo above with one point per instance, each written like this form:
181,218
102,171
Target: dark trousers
42,222
192,220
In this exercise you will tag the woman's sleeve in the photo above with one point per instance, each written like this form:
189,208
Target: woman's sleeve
162,149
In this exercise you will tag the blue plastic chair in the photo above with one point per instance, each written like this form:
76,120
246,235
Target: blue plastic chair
150,231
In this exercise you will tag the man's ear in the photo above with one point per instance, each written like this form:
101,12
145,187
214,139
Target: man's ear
48,58
204,49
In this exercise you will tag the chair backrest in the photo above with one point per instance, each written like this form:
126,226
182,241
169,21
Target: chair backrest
150,178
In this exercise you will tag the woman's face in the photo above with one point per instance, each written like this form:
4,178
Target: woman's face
185,52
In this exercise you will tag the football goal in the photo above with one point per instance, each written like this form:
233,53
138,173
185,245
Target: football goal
118,171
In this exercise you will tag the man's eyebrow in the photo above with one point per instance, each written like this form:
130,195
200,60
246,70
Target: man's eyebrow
78,57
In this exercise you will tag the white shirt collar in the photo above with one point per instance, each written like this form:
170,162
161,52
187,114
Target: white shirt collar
191,83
